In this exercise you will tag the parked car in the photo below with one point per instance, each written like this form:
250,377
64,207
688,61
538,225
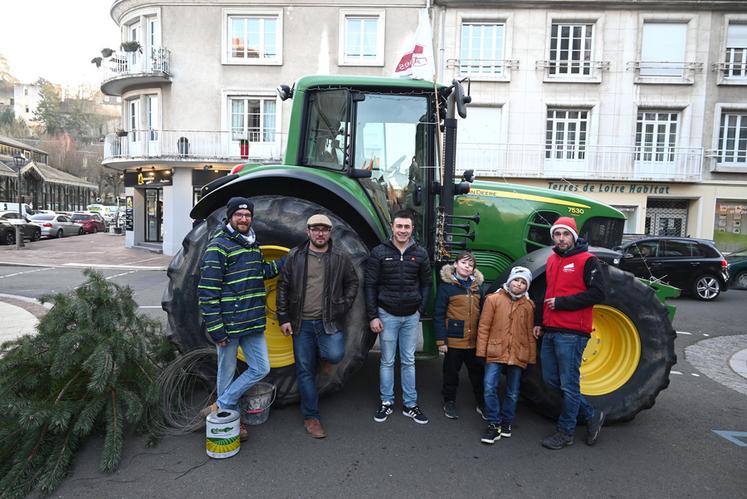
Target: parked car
90,222
29,230
7,232
56,225
737,266
694,265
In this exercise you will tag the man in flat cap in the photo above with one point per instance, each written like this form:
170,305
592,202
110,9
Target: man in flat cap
232,299
316,289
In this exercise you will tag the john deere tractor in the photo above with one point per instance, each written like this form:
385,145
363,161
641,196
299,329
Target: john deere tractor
359,148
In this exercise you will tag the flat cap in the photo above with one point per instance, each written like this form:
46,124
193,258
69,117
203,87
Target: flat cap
319,219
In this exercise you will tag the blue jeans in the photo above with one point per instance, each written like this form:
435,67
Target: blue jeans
402,330
561,363
254,347
494,412
306,343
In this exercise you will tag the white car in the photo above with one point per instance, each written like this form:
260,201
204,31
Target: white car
54,225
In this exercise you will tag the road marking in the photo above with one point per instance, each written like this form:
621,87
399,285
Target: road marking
732,436
683,332
675,372
149,306
144,260
120,275
706,334
24,272
694,374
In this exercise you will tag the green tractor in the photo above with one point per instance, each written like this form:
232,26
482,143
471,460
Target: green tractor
359,148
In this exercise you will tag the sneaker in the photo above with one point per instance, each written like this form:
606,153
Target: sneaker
594,426
481,411
450,410
505,430
492,434
243,433
415,413
384,411
558,440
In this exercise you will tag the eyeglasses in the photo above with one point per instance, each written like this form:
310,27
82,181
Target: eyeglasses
320,230
242,217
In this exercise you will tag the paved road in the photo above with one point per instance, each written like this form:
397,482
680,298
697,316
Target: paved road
668,451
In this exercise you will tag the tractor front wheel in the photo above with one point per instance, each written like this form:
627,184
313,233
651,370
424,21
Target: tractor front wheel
629,355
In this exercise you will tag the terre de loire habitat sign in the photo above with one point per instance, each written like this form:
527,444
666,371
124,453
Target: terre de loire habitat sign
604,188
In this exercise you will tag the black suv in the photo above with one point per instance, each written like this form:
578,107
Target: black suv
695,266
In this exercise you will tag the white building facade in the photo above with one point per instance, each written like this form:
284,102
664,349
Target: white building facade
642,105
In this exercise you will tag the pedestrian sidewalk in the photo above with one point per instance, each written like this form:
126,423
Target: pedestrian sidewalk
101,251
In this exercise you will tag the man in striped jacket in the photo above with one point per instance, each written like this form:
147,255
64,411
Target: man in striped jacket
232,299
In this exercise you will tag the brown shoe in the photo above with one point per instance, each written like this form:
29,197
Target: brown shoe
209,410
243,433
314,428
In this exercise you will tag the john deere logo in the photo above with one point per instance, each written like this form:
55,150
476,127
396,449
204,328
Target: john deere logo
215,431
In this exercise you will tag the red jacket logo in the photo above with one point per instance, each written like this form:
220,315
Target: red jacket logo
569,268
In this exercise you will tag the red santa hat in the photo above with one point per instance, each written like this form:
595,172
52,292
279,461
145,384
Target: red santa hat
565,223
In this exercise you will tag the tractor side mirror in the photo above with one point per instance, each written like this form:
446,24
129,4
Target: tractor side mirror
359,173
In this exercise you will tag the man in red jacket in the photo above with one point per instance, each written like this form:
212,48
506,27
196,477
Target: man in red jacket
574,285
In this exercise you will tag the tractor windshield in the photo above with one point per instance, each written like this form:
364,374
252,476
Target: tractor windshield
391,141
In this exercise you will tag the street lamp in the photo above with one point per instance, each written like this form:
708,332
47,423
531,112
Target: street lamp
20,162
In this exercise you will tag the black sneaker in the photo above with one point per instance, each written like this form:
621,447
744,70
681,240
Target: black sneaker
415,413
505,430
492,434
384,411
450,410
594,426
558,440
481,411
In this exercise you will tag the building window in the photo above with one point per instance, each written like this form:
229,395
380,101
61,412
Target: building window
151,103
481,51
663,50
362,43
252,119
736,51
570,49
656,136
133,118
253,38
566,134
732,138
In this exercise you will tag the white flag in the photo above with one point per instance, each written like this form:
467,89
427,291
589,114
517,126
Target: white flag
418,62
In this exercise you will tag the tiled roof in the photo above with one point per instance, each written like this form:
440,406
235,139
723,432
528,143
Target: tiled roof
55,176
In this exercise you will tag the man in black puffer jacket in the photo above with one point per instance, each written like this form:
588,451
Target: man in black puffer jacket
398,280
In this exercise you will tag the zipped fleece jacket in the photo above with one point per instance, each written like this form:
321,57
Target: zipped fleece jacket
231,291
340,288
505,332
575,279
457,309
397,282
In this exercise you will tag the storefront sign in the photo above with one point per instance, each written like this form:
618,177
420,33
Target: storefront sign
129,217
151,178
605,188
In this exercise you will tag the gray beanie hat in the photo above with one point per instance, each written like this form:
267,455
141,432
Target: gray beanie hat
520,273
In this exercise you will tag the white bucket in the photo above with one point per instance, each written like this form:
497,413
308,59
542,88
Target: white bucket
222,434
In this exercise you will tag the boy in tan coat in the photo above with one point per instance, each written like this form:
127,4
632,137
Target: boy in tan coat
506,341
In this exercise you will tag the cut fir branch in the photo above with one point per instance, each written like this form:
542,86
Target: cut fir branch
90,368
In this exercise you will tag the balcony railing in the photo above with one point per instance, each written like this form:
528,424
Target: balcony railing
483,68
155,60
731,71
123,69
193,145
592,162
573,71
664,71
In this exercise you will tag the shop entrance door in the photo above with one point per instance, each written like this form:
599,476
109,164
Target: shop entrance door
153,215
666,217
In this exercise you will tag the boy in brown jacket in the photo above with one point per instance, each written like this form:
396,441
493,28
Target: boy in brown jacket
506,340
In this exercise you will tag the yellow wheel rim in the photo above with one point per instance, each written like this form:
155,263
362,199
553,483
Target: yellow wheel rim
279,347
612,354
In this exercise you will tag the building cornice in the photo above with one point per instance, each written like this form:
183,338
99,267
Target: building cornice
701,5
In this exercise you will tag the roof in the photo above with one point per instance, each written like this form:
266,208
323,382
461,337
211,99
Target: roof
55,176
6,170
17,143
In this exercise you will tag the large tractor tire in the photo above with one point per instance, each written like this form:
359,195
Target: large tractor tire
280,224
628,358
